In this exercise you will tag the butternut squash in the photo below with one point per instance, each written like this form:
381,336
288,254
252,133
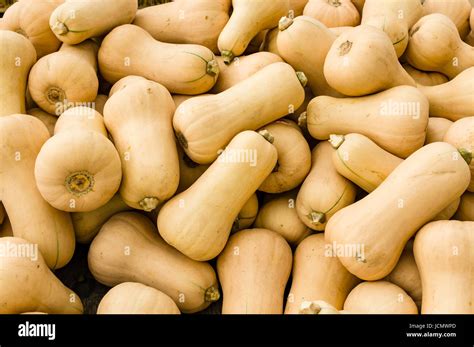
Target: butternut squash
356,58
443,253
241,68
333,13
255,45
136,298
395,119
435,45
448,211
206,124
253,269
379,297
76,21
279,215
452,100
425,78
339,30
183,68
184,220
437,128
294,157
189,171
248,18
186,21
48,119
16,58
457,10
461,135
384,221
92,175
150,163
21,138
66,77
465,211
318,275
247,214
31,19
324,191
304,42
297,7
129,249
359,4
406,275
27,284
88,224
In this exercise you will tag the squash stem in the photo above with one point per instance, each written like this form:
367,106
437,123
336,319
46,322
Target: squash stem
309,307
284,23
303,120
336,140
228,57
149,204
267,136
302,78
212,68
466,155
60,28
79,183
317,217
212,294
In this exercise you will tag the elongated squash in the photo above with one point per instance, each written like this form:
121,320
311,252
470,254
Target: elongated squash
136,298
64,77
356,58
452,100
76,21
48,119
437,128
279,215
206,124
443,253
129,249
91,176
425,78
435,45
304,42
333,13
248,18
324,191
183,68
457,10
186,21
395,119
254,269
21,138
26,283
465,211
149,158
318,275
184,220
384,221
16,58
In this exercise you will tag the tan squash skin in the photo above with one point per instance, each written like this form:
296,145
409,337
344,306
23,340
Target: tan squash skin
189,171
88,224
247,214
48,119
27,284
425,78
435,45
339,30
248,18
254,269
17,57
457,10
279,215
149,157
360,160
384,221
303,43
184,220
465,210
461,135
78,169
31,19
380,297
395,119
443,253
437,127
324,191
129,249
21,137
333,13
205,125
66,76
294,157
318,275
356,58
76,21
452,100
136,298
183,68
406,275
186,21
241,68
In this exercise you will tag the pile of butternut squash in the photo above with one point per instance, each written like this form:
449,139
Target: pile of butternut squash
283,156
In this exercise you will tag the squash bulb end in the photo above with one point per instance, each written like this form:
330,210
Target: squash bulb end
212,294
79,183
149,204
